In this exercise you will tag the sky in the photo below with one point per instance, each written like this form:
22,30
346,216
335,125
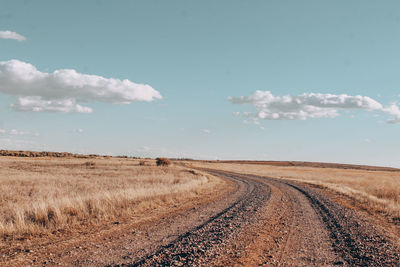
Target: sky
260,80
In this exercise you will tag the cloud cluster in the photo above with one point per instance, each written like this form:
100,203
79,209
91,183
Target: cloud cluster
65,90
12,35
310,105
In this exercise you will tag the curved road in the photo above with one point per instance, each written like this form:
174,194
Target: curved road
275,222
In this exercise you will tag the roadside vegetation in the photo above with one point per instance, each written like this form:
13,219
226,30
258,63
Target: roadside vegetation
39,195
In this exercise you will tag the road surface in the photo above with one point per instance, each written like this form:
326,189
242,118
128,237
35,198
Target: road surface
275,222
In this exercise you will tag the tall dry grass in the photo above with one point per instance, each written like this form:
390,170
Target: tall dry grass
376,190
44,194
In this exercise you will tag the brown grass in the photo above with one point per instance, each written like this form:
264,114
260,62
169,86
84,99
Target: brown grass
376,190
38,195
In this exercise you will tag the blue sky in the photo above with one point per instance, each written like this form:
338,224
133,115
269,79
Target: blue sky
196,54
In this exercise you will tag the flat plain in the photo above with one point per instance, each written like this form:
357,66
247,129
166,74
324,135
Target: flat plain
113,211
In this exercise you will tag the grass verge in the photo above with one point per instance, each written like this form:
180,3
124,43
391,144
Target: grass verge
42,195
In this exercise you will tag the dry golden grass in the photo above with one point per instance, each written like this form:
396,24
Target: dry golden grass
38,195
377,190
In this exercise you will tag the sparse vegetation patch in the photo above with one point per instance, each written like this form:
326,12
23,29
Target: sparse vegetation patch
163,161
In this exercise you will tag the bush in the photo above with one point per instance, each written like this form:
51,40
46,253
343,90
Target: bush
163,162
90,164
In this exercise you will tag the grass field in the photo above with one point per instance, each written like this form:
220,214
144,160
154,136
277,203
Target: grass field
39,195
377,190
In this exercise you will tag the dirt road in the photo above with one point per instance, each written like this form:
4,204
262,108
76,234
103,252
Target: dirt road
274,222
261,221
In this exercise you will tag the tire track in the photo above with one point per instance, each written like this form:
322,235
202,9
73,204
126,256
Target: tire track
356,240
206,242
292,233
280,223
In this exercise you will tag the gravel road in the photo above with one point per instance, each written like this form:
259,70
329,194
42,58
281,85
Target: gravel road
272,222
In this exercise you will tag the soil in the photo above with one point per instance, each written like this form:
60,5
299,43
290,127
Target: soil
258,221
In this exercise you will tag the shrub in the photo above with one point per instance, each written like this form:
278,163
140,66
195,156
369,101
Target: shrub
90,164
163,162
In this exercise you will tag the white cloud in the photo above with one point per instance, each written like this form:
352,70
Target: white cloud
12,35
78,130
65,90
37,104
250,120
393,110
143,149
18,144
147,151
17,132
206,131
367,140
310,105
11,139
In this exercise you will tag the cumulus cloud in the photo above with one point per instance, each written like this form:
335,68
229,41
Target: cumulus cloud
65,90
12,35
310,105
206,131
